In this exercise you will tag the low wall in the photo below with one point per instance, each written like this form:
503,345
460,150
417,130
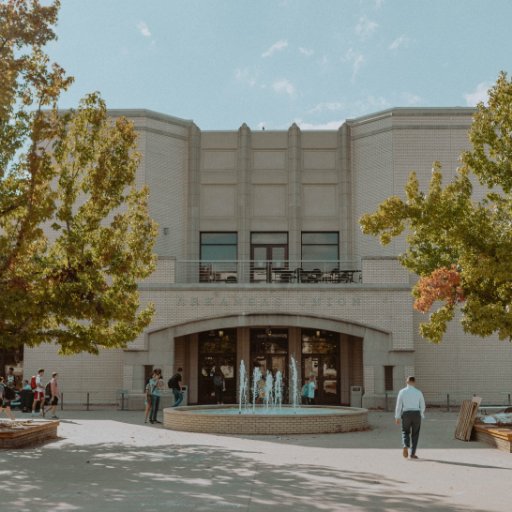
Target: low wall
342,419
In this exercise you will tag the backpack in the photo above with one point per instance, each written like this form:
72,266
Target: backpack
33,383
48,390
218,381
304,390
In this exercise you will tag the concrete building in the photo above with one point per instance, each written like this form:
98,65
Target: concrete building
261,258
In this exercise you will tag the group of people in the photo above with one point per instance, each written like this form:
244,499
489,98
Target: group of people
153,392
45,398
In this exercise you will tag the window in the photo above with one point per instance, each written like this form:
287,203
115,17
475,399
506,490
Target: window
318,249
388,378
218,257
218,246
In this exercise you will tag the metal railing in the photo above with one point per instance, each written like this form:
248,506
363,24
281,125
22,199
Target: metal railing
265,271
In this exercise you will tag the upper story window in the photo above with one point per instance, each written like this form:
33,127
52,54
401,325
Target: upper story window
218,257
319,248
218,246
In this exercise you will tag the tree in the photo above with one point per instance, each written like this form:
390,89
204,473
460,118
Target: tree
75,234
461,247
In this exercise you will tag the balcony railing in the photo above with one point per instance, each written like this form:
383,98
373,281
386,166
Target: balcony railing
281,272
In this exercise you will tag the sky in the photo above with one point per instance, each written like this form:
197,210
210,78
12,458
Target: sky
270,63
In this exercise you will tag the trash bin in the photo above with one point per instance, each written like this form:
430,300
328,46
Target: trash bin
356,396
184,390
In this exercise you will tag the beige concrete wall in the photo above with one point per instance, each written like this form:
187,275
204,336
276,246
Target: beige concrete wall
292,181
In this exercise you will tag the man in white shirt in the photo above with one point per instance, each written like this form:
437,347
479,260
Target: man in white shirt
410,409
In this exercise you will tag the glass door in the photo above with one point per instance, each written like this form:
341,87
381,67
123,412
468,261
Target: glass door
320,358
269,351
269,254
217,350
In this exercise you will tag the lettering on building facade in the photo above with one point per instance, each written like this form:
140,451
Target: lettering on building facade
264,302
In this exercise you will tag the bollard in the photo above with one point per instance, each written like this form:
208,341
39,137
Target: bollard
509,399
87,405
386,395
62,401
448,402
122,401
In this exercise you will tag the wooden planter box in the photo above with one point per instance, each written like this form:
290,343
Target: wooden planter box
25,433
498,437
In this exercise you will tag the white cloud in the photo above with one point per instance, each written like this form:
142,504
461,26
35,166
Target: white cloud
368,105
356,59
332,106
306,51
276,47
329,125
365,27
143,29
412,99
478,95
246,75
284,86
403,40
324,61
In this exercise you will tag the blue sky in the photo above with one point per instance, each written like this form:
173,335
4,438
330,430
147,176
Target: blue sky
274,62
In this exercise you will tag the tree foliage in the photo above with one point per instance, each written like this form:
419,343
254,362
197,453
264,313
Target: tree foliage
458,245
75,234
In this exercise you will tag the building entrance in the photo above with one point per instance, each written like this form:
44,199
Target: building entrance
217,351
320,357
269,350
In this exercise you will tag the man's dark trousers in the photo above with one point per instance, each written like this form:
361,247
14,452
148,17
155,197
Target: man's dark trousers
411,423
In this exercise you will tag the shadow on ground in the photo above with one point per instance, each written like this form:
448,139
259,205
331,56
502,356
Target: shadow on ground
115,477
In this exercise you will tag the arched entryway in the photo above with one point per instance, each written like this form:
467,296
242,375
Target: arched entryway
333,350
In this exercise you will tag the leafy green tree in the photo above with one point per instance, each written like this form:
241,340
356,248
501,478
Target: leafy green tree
75,234
458,245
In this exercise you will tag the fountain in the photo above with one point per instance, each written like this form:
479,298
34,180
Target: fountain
261,410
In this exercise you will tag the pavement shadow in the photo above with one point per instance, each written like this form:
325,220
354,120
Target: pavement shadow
114,477
465,464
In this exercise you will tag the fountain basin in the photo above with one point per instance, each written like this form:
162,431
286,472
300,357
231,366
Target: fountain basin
215,419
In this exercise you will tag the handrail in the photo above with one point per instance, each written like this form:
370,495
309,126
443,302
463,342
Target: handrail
268,271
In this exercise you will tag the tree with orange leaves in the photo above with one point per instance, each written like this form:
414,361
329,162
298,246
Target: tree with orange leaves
461,247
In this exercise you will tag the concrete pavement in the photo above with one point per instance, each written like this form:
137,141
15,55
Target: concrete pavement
111,461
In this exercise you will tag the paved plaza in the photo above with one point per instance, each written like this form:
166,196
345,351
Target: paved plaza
111,461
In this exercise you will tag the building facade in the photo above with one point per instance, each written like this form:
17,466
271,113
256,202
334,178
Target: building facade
261,260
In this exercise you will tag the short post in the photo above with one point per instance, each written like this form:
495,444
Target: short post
87,404
448,402
509,403
122,401
62,401
386,395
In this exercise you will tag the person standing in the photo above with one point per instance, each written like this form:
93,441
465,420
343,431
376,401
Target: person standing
147,397
219,385
310,390
410,409
10,378
175,385
6,395
156,393
38,393
54,395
